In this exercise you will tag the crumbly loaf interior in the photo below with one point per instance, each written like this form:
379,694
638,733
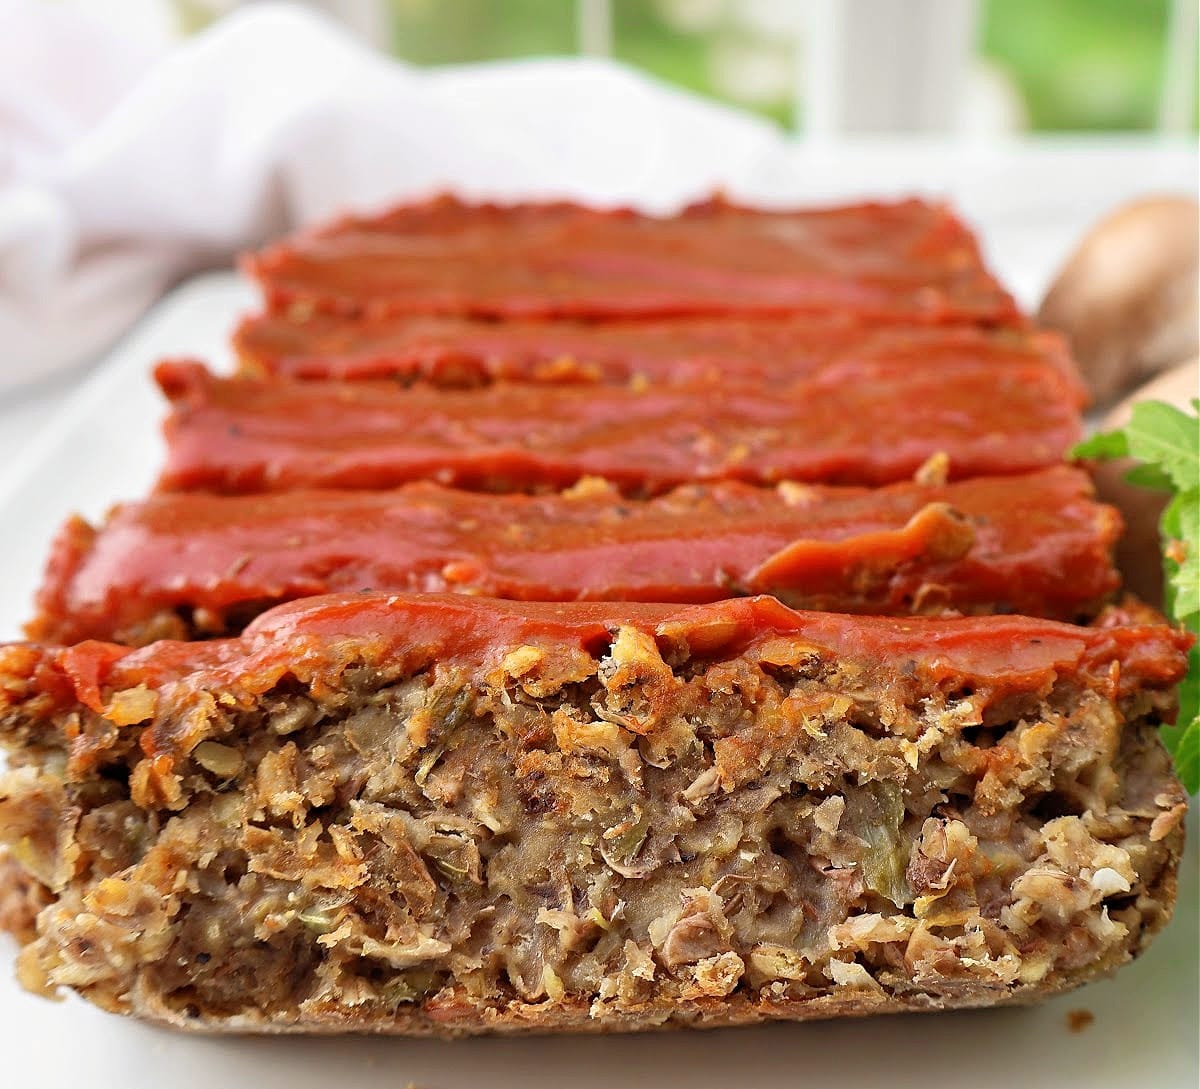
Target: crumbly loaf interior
628,838
21,898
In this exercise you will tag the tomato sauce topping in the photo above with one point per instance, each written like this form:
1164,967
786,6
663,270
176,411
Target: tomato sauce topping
906,260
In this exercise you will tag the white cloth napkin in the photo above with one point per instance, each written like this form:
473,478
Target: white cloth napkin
123,166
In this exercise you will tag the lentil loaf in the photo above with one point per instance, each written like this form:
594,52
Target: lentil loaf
469,352
243,434
446,815
187,565
909,260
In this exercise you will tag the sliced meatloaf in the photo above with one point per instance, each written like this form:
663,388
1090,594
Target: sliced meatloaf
252,435
446,815
908,260
467,352
186,565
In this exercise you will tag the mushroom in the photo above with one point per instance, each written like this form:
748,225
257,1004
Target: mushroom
1127,297
1139,551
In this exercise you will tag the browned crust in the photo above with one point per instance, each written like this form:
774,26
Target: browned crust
454,1018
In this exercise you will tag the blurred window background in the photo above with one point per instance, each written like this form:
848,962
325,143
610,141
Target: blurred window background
959,66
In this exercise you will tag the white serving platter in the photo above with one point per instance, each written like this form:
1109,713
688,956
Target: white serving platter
104,446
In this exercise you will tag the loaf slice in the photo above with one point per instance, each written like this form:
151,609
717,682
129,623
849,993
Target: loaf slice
908,260
446,815
455,351
241,434
188,565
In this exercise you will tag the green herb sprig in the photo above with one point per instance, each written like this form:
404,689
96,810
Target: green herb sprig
1166,442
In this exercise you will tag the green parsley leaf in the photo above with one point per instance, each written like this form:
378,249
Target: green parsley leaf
1149,476
1189,694
1159,434
1183,739
1102,446
1184,571
1187,756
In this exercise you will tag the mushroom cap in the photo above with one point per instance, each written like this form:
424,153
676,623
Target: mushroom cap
1127,298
